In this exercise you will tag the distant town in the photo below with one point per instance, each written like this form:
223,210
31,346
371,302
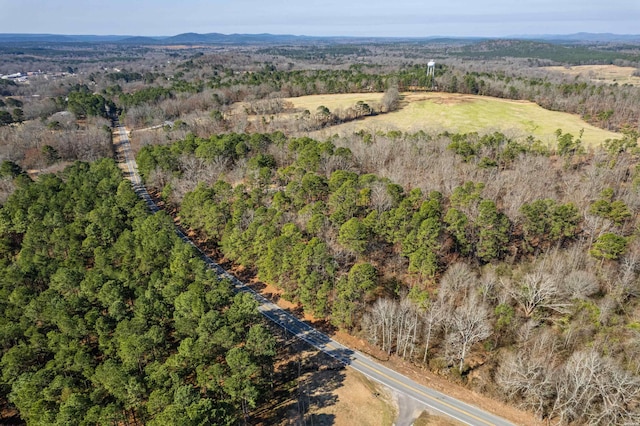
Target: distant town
23,77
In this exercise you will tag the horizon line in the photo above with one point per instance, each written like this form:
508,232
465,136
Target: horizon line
322,36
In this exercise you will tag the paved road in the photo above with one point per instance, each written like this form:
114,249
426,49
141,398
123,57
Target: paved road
435,400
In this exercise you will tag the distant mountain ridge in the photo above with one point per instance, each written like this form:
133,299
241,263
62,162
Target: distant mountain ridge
218,38
60,38
584,37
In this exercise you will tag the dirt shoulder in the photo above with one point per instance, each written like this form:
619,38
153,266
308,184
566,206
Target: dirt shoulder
441,384
312,388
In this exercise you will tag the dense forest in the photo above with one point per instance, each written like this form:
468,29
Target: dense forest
107,317
428,245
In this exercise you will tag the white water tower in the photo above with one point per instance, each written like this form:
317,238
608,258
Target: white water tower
431,68
431,73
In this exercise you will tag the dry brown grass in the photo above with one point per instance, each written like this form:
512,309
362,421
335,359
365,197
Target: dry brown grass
359,402
335,101
609,74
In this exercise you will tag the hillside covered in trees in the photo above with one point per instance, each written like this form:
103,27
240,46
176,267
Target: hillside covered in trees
107,317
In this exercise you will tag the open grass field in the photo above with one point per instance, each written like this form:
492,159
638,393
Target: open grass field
336,101
609,74
458,113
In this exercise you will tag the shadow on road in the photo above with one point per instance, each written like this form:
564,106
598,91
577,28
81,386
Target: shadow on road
304,383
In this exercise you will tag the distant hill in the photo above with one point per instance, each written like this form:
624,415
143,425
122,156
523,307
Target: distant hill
239,39
140,40
186,38
217,38
60,38
585,37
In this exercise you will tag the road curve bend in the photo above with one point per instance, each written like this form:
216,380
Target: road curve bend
434,400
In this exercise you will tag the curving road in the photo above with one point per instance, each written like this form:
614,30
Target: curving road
435,400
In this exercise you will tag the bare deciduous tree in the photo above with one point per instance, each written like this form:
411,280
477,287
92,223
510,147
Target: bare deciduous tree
580,284
526,376
6,188
380,198
407,327
456,284
536,290
393,325
390,100
432,318
592,389
379,323
469,324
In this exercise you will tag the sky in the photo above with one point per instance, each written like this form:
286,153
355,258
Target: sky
391,18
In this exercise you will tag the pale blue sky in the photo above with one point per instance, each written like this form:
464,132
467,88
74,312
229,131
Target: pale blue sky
329,17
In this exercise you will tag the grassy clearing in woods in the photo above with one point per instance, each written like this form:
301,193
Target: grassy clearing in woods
458,113
609,74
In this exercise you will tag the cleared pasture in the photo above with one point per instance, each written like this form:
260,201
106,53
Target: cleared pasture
609,74
458,113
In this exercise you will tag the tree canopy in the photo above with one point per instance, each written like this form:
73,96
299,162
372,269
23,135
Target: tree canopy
108,317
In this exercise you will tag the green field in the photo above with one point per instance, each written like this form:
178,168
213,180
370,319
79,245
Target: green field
459,113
